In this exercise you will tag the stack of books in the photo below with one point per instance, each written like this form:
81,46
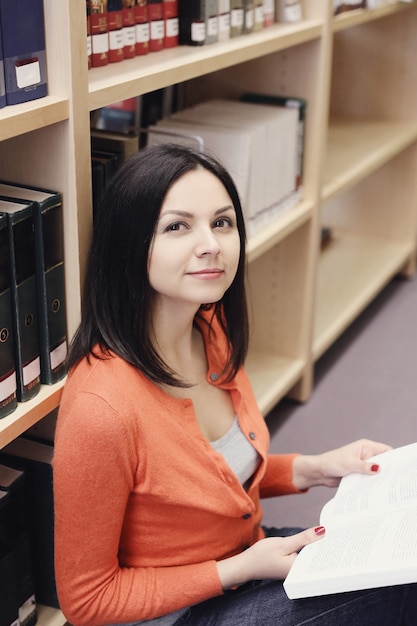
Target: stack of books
259,145
27,528
122,29
33,344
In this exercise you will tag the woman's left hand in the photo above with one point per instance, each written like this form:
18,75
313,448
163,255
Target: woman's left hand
328,468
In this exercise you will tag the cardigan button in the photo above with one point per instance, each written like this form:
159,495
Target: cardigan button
252,435
214,376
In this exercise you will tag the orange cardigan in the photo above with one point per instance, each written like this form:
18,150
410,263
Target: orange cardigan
144,506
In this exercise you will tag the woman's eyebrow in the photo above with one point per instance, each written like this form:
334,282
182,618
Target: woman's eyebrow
182,213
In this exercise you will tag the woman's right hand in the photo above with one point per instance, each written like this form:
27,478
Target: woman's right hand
271,557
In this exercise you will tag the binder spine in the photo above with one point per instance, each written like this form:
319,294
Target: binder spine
8,384
24,299
51,290
24,54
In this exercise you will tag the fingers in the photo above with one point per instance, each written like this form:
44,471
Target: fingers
294,543
370,448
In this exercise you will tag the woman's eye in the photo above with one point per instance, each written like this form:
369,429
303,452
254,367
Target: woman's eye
175,226
223,222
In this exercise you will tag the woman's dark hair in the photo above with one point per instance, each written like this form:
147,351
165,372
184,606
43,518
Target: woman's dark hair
116,305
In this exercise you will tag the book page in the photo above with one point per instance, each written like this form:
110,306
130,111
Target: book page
377,552
394,488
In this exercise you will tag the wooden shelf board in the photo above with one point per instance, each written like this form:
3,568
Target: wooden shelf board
156,70
272,376
19,119
351,273
30,412
278,229
48,616
361,16
355,148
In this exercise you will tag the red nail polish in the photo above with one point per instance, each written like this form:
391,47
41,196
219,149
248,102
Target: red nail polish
374,467
320,530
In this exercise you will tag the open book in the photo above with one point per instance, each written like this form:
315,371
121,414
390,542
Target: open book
371,532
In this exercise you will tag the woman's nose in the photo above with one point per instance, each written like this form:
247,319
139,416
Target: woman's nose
207,244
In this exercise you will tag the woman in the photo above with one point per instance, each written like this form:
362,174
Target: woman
161,453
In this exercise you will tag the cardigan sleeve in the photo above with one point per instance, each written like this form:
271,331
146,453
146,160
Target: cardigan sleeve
277,480
94,465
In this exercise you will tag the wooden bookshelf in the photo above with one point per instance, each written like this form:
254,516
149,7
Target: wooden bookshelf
359,172
47,616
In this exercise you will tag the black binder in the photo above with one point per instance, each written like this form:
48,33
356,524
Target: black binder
12,481
8,398
9,605
35,459
20,226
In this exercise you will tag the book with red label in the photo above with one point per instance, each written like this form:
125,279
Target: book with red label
99,33
129,31
156,25
171,23
142,27
115,28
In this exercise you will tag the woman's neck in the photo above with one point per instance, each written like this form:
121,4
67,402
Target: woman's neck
180,344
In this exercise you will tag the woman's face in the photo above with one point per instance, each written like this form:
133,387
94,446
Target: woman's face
195,251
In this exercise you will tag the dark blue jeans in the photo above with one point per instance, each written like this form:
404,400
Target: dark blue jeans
265,603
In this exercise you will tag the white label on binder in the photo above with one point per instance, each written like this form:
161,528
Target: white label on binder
58,355
31,371
28,73
8,387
